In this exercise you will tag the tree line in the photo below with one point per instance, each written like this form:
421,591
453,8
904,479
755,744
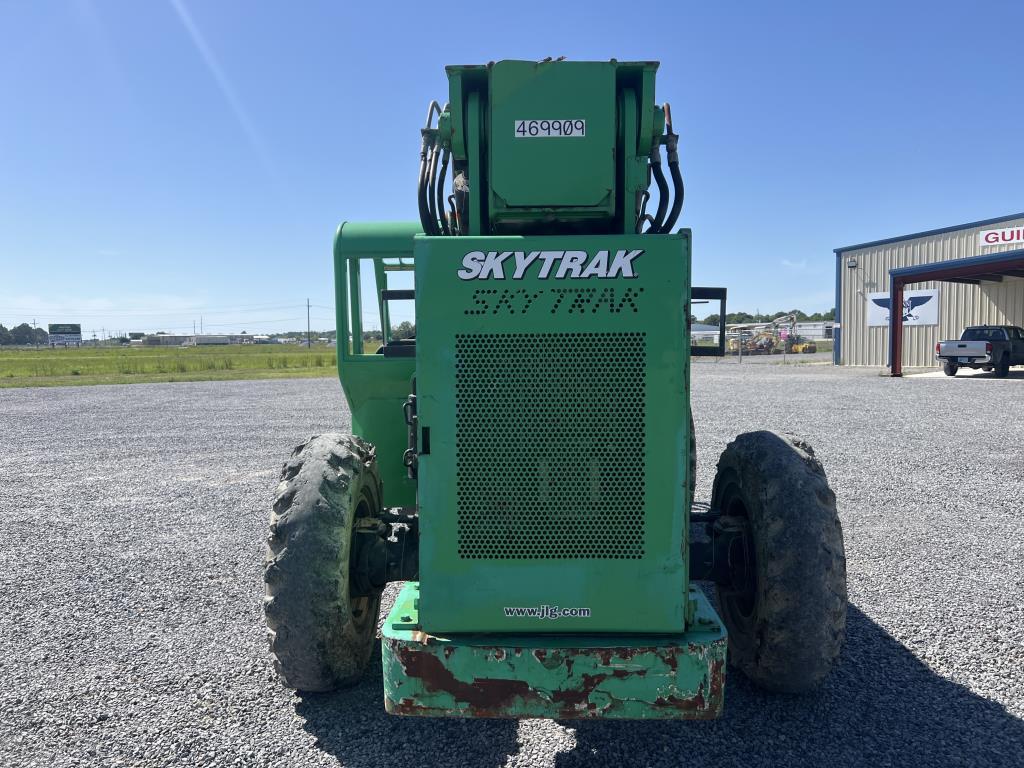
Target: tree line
404,330
22,334
746,317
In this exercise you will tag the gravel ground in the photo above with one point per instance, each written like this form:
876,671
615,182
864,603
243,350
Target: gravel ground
131,630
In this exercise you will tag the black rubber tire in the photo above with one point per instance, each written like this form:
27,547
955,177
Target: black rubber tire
1003,367
787,634
321,637
693,460
949,368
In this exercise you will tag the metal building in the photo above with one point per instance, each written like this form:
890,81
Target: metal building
944,279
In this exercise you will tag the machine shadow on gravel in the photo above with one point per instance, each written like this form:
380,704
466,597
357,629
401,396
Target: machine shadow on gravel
880,706
351,725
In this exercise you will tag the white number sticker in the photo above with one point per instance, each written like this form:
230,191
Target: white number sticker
531,129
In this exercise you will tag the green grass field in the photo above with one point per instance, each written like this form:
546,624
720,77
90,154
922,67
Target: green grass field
29,367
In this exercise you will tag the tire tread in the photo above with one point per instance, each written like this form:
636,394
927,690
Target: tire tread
800,616
313,637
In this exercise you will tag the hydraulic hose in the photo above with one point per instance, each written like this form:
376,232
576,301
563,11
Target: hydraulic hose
672,145
429,227
421,199
432,107
659,179
677,183
440,192
431,187
642,217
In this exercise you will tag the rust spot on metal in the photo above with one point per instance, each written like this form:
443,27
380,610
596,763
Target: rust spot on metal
499,654
717,680
486,694
578,696
699,706
622,673
541,654
568,666
401,707
448,651
692,704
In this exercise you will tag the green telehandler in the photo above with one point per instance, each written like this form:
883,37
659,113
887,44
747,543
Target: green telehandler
525,465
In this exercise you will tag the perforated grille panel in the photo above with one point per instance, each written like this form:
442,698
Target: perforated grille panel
550,445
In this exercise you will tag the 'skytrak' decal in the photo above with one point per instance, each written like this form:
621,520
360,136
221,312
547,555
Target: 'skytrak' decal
548,265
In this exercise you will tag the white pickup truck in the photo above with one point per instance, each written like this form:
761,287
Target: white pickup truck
989,347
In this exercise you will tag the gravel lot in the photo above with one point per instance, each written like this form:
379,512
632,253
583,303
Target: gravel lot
131,630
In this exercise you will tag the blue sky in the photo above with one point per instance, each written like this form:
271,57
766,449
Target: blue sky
168,159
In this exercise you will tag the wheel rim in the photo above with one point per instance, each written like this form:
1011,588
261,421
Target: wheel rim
361,605
739,600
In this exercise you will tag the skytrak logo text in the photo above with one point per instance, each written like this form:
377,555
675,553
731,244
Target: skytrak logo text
546,265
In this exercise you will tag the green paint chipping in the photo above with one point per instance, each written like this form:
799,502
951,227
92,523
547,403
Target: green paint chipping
559,676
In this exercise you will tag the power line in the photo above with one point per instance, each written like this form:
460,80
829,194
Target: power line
100,313
164,327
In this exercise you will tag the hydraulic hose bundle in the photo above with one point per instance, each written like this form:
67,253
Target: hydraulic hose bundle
658,224
442,214
434,158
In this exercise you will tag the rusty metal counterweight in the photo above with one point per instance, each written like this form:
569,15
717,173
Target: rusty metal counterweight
558,676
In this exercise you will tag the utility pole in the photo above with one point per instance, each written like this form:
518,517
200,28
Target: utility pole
34,337
308,340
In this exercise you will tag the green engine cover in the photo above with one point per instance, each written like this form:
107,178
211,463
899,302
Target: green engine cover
545,118
553,395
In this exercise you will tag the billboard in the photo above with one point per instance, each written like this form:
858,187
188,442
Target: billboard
919,307
63,334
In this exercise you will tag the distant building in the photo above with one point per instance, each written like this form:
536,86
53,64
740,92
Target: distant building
947,279
702,331
167,340
816,331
